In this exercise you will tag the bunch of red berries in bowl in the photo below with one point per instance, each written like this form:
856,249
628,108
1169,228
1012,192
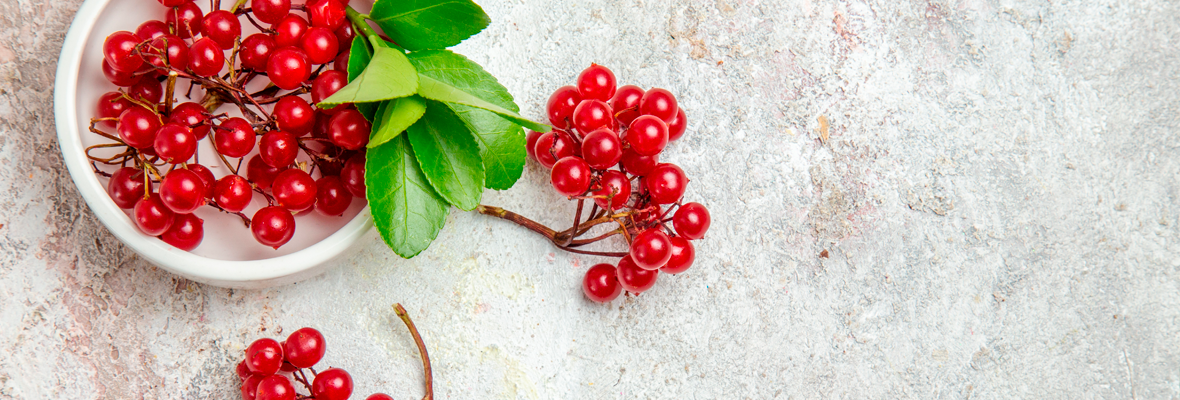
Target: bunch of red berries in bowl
605,147
270,366
270,145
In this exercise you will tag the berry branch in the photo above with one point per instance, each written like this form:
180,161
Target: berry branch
405,317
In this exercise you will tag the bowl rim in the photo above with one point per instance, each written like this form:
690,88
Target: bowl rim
229,273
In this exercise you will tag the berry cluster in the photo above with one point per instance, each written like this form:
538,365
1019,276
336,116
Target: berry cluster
269,366
299,156
606,146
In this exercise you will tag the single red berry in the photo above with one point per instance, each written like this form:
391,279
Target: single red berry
193,116
571,176
232,193
234,137
126,187
530,143
683,255
288,67
186,232
260,173
326,13
250,387
173,3
294,189
223,27
379,396
692,220
290,30
637,164
206,178
600,283
593,114
175,143
332,198
320,44
148,89
270,11
648,135
304,347
677,125
152,216
666,183
659,103
615,189
151,29
633,278
278,149
651,249
596,82
112,105
293,114
344,35
185,19
243,371
167,50
273,226
119,78
327,84
182,191
137,127
255,50
553,146
264,356
332,384
561,106
353,175
602,148
625,104
349,129
275,387
118,50
341,61
206,57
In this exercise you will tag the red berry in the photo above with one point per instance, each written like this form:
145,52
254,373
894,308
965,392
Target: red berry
290,30
659,103
596,82
193,116
242,371
592,114
182,191
175,143
332,384
186,232
223,27
293,114
344,35
651,249
379,396
206,178
666,183
349,129
274,227
353,175
137,127
148,89
126,187
625,104
278,149
602,148
638,165
151,216
553,146
326,13
118,50
232,193
112,105
691,220
530,145
600,283
633,278
341,61
320,44
255,50
327,84
648,135
264,356
571,176
234,137
612,182
261,174
206,58
173,3
275,387
677,125
119,78
561,106
288,67
185,19
151,29
270,11
294,189
682,256
332,198
167,51
304,347
250,387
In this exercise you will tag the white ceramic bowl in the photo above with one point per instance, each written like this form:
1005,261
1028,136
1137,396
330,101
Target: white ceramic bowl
228,256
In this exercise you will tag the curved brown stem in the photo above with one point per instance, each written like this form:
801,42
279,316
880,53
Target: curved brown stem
401,313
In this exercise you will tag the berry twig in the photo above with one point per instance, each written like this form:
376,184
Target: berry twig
401,313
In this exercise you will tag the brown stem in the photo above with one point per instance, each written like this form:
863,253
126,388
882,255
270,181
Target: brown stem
401,313
552,235
516,218
169,91
563,239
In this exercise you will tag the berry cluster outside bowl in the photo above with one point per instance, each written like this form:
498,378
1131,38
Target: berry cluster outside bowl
228,256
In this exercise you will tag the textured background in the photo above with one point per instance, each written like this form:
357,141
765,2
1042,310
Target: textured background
997,195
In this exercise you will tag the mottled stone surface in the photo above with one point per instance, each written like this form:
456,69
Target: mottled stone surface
996,196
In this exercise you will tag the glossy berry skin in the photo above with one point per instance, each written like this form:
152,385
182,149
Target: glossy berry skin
137,127
126,187
206,58
326,13
638,165
602,148
270,11
341,61
304,347
278,149
683,254
625,103
677,125
273,226
118,50
600,283
290,30
571,176
167,50
561,106
294,115
344,35
151,216
665,183
327,84
553,146
175,143
234,137
633,278
151,29
119,78
232,193
206,178
651,249
530,143
288,67
185,19
332,198
192,116
691,220
353,175
275,387
186,232
264,357
591,115
223,27
260,173
294,189
242,371
349,129
332,384
182,191
255,50
596,82
612,182
379,396
250,387
147,89
659,103
648,135
320,44
111,105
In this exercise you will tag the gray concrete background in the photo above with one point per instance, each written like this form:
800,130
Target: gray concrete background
997,196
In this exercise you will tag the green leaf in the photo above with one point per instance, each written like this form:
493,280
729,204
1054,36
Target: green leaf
406,210
448,156
389,75
429,24
436,90
501,143
358,58
395,116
